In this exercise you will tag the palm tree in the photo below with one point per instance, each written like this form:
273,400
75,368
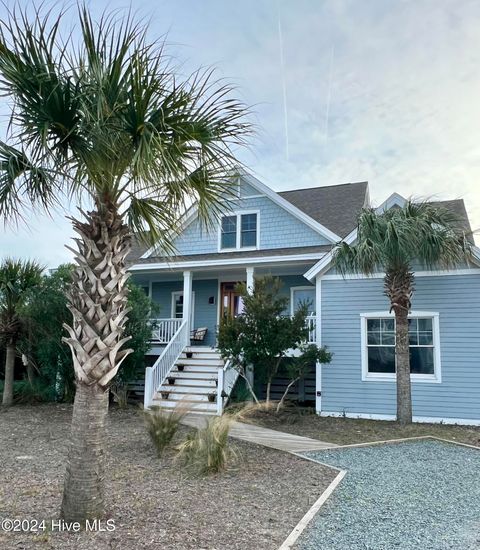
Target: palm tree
17,279
106,121
393,241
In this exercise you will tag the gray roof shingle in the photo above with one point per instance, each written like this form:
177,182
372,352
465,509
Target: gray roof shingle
336,206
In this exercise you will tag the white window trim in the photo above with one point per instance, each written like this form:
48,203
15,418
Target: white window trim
172,308
436,377
304,287
239,214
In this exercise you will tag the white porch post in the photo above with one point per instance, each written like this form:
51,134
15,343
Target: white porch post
250,279
250,283
318,339
187,301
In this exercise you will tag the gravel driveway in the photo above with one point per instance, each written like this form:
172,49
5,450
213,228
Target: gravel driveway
411,495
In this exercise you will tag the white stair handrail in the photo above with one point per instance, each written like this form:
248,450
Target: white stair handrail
155,375
227,377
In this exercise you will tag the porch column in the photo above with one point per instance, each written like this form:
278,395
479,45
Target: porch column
250,280
187,301
250,283
318,341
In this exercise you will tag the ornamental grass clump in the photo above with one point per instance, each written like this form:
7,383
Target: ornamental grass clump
207,451
162,426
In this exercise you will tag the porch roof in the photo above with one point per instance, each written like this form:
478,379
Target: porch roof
218,258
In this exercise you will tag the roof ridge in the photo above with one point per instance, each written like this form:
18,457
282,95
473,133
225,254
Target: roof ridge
323,186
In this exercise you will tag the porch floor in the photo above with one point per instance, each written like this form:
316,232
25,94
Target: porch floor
264,436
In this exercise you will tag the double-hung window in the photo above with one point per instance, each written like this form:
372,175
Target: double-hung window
378,354
239,231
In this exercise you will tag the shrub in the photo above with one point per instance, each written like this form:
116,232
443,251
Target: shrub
207,451
28,393
163,425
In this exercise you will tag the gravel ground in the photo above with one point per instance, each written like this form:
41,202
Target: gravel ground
411,496
255,504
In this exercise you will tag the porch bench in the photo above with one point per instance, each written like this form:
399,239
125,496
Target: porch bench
197,335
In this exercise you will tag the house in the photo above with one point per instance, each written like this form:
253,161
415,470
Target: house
291,234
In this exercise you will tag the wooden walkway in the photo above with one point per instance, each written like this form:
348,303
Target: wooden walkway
264,436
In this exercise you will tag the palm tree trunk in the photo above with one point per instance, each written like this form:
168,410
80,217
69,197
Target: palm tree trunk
83,495
402,352
98,302
399,289
7,399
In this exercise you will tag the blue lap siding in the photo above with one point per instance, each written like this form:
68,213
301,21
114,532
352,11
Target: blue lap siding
456,298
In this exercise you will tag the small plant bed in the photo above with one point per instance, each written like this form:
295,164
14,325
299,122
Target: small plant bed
155,502
345,431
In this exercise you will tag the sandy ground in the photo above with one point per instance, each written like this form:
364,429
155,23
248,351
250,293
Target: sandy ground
153,504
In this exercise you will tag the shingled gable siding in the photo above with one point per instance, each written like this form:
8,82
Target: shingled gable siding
456,298
278,229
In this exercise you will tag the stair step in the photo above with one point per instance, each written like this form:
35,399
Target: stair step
203,355
187,397
200,349
191,382
202,406
199,369
201,362
197,375
188,390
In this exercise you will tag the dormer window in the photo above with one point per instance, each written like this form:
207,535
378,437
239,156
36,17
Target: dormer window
239,231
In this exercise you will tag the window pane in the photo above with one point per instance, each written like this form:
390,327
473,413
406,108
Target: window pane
425,325
373,324
248,230
413,325
249,238
388,325
374,338
178,305
301,297
229,232
381,360
421,361
425,338
249,222
388,338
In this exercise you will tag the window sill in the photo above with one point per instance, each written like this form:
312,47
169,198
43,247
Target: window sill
243,249
414,378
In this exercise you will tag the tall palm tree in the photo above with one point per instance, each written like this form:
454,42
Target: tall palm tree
393,241
17,279
101,117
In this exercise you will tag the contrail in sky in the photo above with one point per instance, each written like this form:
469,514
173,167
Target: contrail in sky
284,85
329,89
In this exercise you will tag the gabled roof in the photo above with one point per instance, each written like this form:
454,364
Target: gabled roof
456,205
336,206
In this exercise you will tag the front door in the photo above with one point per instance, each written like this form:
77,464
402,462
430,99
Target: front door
232,303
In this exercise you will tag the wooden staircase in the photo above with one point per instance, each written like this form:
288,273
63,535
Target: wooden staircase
192,380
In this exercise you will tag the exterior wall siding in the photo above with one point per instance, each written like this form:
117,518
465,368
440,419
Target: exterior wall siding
456,298
205,314
278,228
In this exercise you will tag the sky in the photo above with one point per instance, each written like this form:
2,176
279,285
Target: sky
342,91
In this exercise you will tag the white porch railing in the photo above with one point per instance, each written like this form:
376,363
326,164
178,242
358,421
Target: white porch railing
164,330
312,332
155,375
227,377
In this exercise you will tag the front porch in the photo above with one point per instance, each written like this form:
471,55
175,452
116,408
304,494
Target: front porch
201,299
193,301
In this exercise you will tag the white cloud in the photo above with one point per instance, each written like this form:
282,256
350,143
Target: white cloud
404,111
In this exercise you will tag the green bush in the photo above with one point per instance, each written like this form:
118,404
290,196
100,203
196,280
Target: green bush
207,451
28,393
162,425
